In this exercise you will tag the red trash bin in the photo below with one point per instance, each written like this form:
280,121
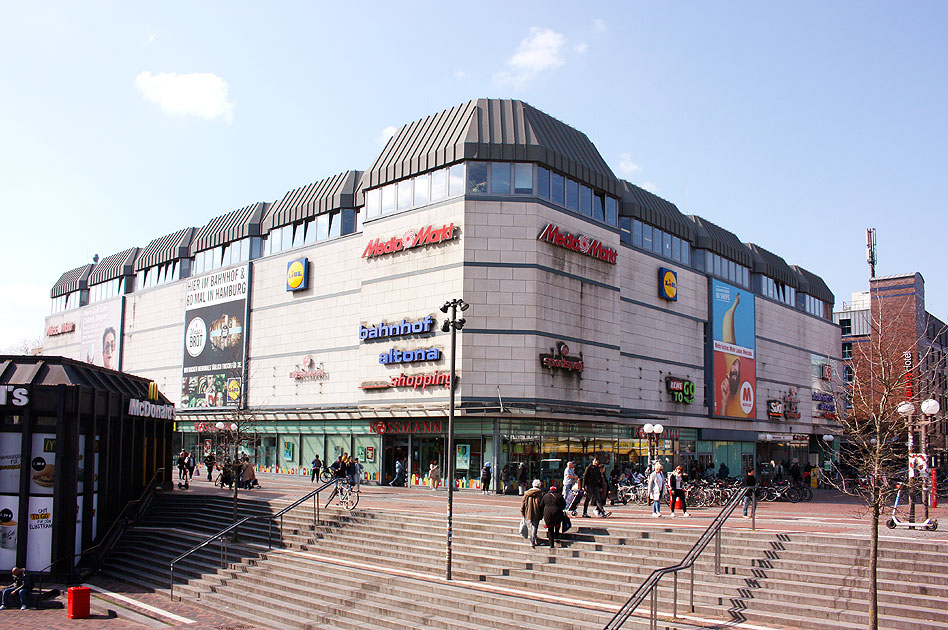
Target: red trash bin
77,606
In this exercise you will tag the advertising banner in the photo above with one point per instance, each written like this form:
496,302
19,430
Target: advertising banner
463,459
101,333
40,539
8,526
10,463
43,464
215,323
734,345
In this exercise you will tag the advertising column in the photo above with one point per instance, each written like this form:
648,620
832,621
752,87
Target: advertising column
215,323
734,377
42,476
9,497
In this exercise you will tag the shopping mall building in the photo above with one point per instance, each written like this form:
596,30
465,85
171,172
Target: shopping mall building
596,308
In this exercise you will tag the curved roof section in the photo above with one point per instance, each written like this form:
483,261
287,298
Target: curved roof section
54,370
773,266
332,193
74,280
491,129
170,247
114,266
718,240
816,287
641,204
230,227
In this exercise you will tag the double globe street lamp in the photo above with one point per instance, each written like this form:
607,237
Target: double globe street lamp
453,324
917,461
652,434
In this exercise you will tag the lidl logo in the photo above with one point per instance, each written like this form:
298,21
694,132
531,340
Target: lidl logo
233,390
297,274
668,284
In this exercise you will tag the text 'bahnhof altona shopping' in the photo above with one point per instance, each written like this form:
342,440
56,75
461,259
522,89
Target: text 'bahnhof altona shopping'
596,307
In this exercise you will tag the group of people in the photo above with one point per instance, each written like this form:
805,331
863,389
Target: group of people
345,467
673,484
242,473
548,506
186,466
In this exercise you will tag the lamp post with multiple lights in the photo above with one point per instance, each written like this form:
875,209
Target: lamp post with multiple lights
452,325
652,433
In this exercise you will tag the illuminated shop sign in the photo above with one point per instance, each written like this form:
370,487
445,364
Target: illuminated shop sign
790,410
667,284
13,395
62,329
407,426
682,391
297,274
397,330
560,360
146,409
309,371
909,383
410,240
775,408
409,356
824,406
414,381
578,243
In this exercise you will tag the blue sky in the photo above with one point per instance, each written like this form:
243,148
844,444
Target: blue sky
794,125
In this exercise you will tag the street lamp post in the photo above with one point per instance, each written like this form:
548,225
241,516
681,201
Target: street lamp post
453,325
652,433
232,434
929,409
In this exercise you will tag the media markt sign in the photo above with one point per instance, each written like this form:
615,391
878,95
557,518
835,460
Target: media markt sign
578,243
410,240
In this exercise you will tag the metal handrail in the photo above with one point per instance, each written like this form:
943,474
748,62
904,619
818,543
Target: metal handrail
650,585
221,535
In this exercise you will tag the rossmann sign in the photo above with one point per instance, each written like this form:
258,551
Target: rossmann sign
578,243
411,240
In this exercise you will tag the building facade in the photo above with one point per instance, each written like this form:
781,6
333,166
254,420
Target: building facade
595,307
890,318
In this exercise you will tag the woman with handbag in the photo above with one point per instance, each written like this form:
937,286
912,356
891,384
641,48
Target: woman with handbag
554,506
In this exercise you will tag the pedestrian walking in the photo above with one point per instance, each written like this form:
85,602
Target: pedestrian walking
522,478
190,464
399,479
315,467
210,462
531,509
656,487
676,488
569,478
356,474
505,478
749,482
182,465
485,478
592,486
553,505
434,474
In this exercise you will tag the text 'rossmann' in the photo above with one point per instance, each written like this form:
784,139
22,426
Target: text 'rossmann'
578,243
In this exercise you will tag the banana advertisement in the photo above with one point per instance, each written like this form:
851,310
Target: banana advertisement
734,382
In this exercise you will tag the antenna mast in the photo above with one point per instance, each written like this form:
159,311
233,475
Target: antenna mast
871,251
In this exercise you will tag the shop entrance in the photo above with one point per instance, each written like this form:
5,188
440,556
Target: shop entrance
394,449
426,450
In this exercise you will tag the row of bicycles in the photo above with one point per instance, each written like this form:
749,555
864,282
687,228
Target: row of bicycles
717,493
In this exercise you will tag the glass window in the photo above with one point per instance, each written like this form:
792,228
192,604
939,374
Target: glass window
348,221
666,245
299,234
335,225
244,253
310,227
647,236
612,211
625,231
543,182
500,178
572,195
373,203
657,236
421,190
175,269
322,228
637,233
476,177
388,199
557,191
456,179
676,248
287,236
747,281
404,195
717,264
585,200
439,184
598,208
523,179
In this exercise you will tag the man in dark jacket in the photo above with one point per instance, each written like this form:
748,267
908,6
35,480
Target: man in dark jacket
210,462
22,587
485,478
592,486
750,481
522,477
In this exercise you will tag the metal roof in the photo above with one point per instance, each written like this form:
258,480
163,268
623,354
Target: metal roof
230,227
74,280
491,129
332,193
816,287
54,370
170,247
718,240
652,209
773,266
114,266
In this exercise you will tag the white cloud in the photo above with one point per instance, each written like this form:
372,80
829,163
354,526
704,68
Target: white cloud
626,166
460,74
652,187
580,48
385,134
599,25
200,94
540,51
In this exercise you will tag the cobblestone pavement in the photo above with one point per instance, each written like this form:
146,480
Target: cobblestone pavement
829,513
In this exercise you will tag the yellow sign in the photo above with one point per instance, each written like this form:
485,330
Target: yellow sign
233,389
668,280
296,274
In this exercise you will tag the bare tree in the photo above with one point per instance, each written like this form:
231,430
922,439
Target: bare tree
26,345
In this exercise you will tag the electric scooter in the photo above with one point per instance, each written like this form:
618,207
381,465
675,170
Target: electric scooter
929,524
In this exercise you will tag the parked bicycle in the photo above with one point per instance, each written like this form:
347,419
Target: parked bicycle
347,492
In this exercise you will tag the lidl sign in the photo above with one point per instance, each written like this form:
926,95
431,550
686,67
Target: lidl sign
297,274
667,284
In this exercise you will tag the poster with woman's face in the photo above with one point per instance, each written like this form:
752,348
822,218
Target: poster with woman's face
101,336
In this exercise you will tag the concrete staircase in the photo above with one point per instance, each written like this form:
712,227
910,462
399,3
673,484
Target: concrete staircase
385,569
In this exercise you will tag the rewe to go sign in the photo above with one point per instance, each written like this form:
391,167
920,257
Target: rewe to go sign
681,391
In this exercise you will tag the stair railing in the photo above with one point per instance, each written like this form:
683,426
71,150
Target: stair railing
649,587
221,536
